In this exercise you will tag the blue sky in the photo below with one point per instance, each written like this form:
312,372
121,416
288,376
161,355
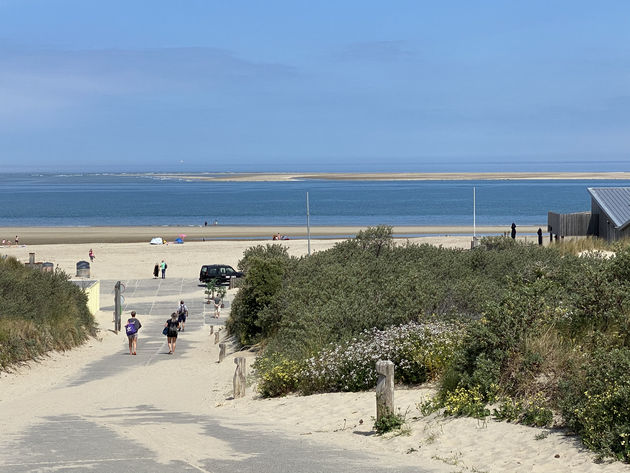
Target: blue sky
297,85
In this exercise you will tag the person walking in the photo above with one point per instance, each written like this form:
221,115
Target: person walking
132,328
539,233
91,255
163,267
182,313
217,307
17,240
171,325
513,231
156,271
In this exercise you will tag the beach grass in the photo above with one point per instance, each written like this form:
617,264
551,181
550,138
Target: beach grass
39,312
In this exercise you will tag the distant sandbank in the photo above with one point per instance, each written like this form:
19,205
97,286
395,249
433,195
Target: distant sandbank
391,176
56,235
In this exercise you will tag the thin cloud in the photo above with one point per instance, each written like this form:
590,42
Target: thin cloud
49,81
375,51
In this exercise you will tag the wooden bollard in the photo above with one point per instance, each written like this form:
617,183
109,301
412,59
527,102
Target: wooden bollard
211,329
239,377
216,337
384,389
221,351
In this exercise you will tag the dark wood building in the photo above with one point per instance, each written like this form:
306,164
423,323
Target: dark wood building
610,206
609,217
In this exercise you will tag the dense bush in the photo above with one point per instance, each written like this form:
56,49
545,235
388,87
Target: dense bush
253,316
544,330
367,284
557,340
596,401
39,312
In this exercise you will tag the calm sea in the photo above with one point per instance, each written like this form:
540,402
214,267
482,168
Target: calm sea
95,200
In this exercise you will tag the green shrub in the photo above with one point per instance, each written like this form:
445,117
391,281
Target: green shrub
595,400
509,409
536,412
465,402
268,251
388,423
277,376
39,312
537,320
253,316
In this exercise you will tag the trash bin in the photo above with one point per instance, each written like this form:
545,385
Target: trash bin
48,267
83,269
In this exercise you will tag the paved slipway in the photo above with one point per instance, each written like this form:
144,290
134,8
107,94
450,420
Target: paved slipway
154,412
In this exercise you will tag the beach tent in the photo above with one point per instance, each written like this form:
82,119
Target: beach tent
179,241
156,241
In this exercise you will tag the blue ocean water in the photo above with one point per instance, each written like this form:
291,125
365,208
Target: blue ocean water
98,200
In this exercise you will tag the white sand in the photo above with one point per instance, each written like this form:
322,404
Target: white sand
435,444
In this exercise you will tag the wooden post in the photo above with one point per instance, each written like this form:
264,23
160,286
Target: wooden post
239,377
216,337
117,308
221,351
384,389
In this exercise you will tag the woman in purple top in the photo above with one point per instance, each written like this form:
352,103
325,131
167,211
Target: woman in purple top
132,327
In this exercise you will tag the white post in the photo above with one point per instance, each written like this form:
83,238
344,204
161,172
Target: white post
384,388
308,225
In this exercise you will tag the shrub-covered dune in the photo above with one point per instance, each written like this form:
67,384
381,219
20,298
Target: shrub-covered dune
525,333
39,312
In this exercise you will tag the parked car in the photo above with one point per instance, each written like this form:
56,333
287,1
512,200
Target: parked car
222,273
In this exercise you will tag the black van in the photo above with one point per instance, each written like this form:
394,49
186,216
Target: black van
222,273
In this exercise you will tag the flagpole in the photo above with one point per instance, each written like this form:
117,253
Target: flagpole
308,225
474,212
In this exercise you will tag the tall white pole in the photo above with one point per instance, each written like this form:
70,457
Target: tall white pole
474,213
308,225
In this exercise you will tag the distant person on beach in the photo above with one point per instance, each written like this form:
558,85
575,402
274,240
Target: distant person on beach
182,313
156,271
163,267
539,232
17,240
132,327
172,326
217,307
205,224
91,255
513,231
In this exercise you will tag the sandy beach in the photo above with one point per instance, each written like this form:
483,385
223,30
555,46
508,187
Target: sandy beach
66,235
392,176
113,396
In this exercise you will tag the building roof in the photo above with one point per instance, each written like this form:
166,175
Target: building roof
615,202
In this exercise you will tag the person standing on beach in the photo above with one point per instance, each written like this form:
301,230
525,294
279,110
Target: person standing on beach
172,326
17,240
163,267
182,313
91,255
156,271
539,233
513,231
132,328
